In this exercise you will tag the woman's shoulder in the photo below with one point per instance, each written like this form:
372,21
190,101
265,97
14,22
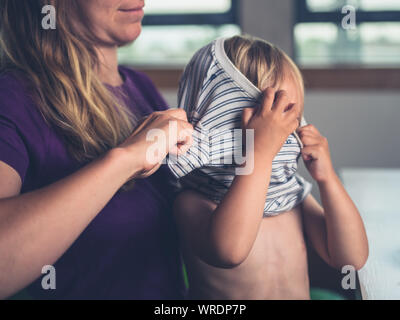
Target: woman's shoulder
137,76
14,94
12,82
146,87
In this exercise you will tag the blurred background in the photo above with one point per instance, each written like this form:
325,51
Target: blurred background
352,75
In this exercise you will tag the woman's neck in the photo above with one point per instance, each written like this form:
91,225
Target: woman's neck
108,66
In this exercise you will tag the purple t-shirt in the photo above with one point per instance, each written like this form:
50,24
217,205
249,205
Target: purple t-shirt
130,249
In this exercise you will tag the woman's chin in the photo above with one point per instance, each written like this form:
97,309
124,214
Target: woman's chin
130,35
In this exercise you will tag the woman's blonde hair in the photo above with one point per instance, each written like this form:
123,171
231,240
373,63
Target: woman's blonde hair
264,64
61,67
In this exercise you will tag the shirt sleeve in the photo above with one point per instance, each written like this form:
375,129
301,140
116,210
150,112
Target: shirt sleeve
196,157
13,150
211,149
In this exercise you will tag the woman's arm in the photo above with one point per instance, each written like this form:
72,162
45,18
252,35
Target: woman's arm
36,228
336,230
225,237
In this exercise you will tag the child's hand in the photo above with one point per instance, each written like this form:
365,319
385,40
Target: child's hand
272,121
316,154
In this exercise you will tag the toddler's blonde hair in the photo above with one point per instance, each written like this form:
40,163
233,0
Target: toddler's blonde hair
264,64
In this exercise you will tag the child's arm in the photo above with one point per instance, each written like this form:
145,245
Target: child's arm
225,237
336,231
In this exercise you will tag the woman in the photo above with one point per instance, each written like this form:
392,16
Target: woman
68,157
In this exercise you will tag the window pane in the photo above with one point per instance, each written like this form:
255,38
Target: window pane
322,5
372,44
365,5
171,45
314,42
374,5
185,6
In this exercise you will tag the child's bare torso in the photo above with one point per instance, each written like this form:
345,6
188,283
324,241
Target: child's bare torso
276,267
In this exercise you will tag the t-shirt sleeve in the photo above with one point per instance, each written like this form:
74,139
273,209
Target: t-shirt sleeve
13,150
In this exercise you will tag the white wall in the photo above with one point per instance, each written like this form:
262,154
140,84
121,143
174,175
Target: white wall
362,127
271,20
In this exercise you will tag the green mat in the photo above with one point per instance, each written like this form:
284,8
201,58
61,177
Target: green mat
322,294
22,295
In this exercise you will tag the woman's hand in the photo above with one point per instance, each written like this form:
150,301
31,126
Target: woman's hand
316,154
273,121
157,135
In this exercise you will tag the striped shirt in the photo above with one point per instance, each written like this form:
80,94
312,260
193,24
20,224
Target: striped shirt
214,93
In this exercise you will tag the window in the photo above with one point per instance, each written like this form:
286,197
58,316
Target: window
173,30
320,39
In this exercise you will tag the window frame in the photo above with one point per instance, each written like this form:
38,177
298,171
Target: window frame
215,19
330,78
348,77
305,15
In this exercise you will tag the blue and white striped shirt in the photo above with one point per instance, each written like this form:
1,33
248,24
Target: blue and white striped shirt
214,93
